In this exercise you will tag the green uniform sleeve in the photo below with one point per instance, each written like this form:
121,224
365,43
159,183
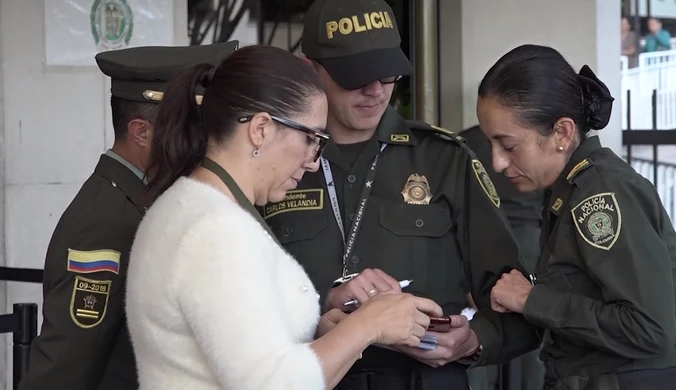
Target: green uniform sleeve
83,311
489,250
614,224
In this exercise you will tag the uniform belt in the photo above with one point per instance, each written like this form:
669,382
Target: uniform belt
648,379
659,379
452,376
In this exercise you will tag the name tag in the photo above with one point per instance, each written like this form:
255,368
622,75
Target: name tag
297,200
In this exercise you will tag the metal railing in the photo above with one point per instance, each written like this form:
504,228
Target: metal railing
23,322
662,175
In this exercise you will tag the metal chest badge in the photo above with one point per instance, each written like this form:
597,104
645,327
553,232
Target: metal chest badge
486,182
417,190
598,220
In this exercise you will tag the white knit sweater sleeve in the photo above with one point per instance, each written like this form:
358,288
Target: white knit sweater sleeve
229,295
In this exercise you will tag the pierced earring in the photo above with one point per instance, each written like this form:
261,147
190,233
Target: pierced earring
560,148
256,152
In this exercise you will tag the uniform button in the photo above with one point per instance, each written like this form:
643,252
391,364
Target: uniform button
351,217
113,183
288,230
304,288
355,259
419,223
351,179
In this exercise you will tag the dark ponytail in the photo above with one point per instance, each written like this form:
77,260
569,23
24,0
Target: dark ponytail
540,87
179,143
253,79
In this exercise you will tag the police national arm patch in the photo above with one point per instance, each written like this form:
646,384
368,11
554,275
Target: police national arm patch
598,220
485,182
89,301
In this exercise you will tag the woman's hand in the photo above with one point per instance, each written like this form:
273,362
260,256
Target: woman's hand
363,287
397,318
329,321
510,293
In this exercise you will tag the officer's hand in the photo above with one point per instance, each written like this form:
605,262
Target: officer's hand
459,342
329,321
510,292
364,286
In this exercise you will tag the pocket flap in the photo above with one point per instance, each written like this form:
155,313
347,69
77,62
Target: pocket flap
298,228
416,220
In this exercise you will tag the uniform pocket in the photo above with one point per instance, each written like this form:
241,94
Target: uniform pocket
416,221
419,238
293,229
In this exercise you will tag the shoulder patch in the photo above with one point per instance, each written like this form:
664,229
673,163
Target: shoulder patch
87,262
485,182
598,220
89,301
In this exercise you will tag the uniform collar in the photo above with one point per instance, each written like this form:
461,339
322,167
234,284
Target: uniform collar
392,129
122,177
139,173
579,161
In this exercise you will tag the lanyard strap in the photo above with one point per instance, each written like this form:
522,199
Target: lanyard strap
350,239
243,201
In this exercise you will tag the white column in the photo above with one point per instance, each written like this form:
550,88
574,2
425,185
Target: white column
584,31
3,285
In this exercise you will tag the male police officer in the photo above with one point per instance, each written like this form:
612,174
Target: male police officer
84,343
523,210
396,200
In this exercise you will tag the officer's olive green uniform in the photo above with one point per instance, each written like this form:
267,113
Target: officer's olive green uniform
84,343
605,290
523,210
432,209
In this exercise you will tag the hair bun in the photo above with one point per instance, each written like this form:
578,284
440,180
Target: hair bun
597,100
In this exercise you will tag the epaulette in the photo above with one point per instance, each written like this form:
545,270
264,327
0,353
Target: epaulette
436,130
579,167
442,133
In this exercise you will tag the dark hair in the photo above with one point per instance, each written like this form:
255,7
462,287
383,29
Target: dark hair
541,87
253,79
124,111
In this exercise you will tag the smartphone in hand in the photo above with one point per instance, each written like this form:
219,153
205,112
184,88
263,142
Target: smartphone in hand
440,324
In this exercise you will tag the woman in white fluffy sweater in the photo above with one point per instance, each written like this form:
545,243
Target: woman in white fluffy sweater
213,301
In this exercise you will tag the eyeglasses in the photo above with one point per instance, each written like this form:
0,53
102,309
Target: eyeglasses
320,135
384,81
390,80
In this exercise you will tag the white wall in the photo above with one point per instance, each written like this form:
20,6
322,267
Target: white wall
3,286
584,31
56,124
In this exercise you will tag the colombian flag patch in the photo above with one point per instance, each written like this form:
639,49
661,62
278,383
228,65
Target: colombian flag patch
87,262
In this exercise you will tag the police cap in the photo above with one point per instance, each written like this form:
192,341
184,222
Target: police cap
356,41
142,73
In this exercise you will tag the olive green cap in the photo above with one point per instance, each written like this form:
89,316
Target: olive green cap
356,41
142,73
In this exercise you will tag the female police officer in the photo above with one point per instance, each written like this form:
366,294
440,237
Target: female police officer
605,292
